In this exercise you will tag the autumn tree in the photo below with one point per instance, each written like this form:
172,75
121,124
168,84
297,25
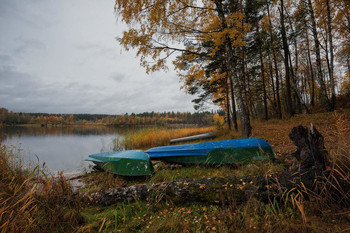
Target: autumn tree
158,29
210,81
70,119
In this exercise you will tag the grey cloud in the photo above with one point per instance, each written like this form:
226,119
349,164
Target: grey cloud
9,73
24,92
149,94
6,7
118,77
62,57
15,9
80,87
5,59
87,46
97,49
28,46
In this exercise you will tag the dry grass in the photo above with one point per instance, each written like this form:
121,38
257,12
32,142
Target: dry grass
17,203
340,134
334,191
150,137
59,209
34,204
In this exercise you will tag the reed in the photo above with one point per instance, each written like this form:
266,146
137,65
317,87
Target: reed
30,203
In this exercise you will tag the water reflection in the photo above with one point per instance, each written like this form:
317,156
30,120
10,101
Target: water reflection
18,131
60,148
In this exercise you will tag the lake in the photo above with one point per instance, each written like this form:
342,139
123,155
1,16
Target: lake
60,148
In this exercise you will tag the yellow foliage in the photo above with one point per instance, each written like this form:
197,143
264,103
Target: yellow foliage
154,24
218,120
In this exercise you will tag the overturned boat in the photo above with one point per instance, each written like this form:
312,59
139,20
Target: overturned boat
125,163
218,152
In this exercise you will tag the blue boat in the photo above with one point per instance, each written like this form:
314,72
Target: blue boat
218,152
125,163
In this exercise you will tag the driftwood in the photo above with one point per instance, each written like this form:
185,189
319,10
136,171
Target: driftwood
193,138
313,167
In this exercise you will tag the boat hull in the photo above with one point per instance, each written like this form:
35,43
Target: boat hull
221,152
125,163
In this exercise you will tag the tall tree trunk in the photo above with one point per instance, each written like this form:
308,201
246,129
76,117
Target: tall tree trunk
262,70
228,106
297,96
275,63
319,76
273,85
312,97
331,70
289,102
279,107
348,64
238,82
294,69
296,102
233,104
245,118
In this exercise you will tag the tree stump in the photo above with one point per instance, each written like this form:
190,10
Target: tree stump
311,152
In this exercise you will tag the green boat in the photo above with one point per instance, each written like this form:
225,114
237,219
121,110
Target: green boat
125,163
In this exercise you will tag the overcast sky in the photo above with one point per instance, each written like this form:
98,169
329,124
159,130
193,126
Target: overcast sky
62,57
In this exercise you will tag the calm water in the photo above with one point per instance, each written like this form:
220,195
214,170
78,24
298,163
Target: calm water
60,148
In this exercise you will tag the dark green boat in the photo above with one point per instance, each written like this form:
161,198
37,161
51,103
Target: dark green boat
219,152
125,163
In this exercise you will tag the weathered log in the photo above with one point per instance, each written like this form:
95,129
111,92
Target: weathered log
313,163
212,190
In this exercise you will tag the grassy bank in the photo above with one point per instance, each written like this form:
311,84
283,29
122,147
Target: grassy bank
51,209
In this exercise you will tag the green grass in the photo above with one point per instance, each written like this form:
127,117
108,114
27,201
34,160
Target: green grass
253,216
200,171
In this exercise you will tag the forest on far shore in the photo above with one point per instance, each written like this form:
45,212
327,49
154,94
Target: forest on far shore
147,118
